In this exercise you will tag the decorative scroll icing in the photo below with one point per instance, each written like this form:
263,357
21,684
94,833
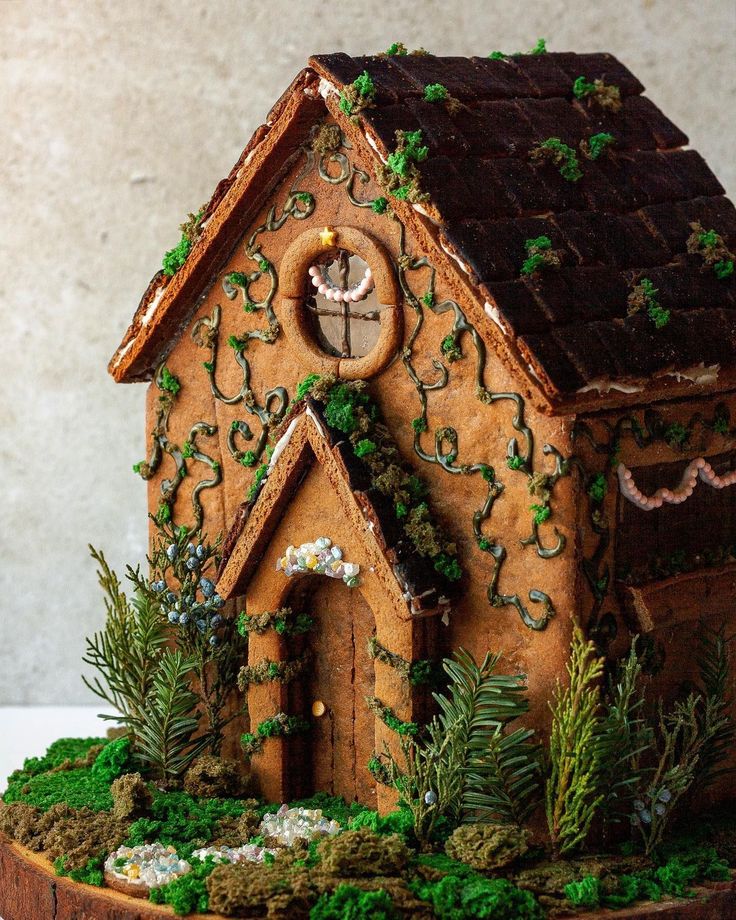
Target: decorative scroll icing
320,557
330,290
698,468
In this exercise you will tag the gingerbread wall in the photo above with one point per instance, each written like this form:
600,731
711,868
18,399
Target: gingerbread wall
659,573
473,398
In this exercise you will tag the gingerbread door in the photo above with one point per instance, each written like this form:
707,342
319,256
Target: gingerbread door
338,681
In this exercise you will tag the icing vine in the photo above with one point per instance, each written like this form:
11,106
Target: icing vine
169,388
445,449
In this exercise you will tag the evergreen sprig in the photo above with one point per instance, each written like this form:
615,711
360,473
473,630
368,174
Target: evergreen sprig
576,749
714,664
164,735
126,652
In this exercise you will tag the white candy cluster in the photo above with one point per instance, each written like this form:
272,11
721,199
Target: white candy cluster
320,557
331,291
249,852
151,864
291,824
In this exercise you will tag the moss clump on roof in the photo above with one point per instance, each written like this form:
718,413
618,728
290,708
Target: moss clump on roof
594,146
642,299
606,95
539,255
326,139
190,232
400,175
435,92
710,246
349,409
358,95
552,150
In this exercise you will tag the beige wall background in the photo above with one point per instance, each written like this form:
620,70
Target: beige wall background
116,119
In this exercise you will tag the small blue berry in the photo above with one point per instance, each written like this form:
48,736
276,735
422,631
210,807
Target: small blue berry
184,619
215,621
171,597
201,625
174,616
172,552
214,640
200,551
665,795
217,602
645,816
158,586
193,564
430,797
191,549
208,589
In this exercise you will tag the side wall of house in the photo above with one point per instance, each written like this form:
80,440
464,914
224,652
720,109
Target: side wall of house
464,423
666,574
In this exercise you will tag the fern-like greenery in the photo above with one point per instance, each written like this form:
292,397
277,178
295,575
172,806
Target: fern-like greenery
164,735
626,737
576,749
714,665
465,765
126,652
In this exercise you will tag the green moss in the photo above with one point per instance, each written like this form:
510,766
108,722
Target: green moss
340,407
643,297
61,752
597,144
723,268
379,205
350,903
676,434
113,760
276,726
401,510
582,88
515,463
168,381
409,151
255,486
90,874
585,893
304,386
478,898
163,515
598,488
358,95
561,155
237,279
419,424
540,47
180,820
542,513
249,458
390,719
451,349
77,788
364,447
720,425
188,894
264,265
174,258
448,566
435,92
397,49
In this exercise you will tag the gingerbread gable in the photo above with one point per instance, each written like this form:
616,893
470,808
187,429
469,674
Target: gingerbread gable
415,588
573,338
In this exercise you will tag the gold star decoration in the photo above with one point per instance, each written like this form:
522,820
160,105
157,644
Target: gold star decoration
327,237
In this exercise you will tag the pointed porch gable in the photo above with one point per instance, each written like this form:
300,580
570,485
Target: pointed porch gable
315,490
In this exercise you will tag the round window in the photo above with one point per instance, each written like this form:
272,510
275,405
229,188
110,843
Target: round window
339,302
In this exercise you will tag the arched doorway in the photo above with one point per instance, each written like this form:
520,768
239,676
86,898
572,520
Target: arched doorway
332,693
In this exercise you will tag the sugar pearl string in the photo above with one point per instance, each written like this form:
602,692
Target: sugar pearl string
331,291
696,469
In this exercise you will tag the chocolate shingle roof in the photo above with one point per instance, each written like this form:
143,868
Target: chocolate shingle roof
628,216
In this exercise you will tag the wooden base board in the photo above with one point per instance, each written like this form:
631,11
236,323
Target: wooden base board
29,890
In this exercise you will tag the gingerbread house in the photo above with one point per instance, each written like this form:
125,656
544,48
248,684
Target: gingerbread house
450,357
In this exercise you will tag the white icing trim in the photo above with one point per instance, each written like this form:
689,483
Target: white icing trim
123,352
492,313
372,143
457,259
151,308
325,88
696,469
699,373
605,385
317,423
281,443
425,213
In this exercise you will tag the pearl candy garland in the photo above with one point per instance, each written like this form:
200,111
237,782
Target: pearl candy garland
331,291
696,469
